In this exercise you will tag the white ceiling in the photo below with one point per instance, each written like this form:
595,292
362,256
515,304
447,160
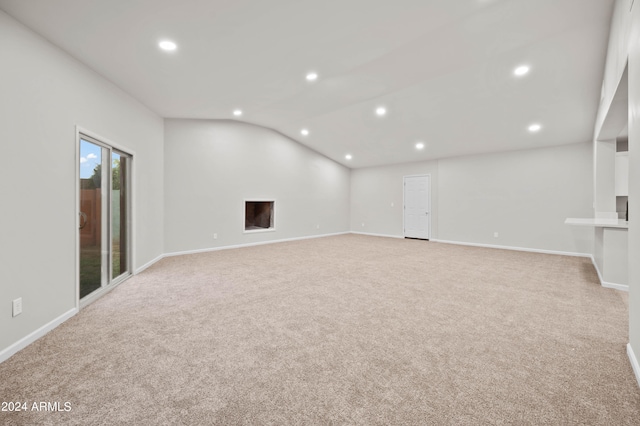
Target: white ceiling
443,68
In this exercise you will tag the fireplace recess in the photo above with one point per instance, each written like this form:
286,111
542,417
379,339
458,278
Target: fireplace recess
259,215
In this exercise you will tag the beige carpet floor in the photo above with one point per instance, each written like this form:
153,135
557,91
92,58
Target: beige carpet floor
340,330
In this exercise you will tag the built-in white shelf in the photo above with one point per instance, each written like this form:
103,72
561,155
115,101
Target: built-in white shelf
599,223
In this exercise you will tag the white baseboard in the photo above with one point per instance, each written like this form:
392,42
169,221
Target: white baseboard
595,265
621,287
260,243
7,353
234,246
634,362
605,284
532,250
148,264
376,235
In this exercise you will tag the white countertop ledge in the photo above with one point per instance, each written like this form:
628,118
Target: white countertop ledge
600,223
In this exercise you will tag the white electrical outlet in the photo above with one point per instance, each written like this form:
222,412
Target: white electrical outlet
215,236
495,235
318,226
391,204
363,224
17,306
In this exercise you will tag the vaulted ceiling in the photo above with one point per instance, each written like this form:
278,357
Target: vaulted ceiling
442,69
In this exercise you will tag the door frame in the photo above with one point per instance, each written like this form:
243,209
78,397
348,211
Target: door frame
404,178
131,212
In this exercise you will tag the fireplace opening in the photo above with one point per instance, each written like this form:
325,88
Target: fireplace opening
259,216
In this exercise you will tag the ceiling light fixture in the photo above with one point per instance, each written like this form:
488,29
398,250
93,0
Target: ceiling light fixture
167,45
535,127
237,112
380,111
304,132
419,145
521,70
312,76
348,157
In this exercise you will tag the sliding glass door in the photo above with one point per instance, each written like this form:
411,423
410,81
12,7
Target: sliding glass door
104,215
119,216
92,202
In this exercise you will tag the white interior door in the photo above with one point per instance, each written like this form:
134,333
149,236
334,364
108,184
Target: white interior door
417,206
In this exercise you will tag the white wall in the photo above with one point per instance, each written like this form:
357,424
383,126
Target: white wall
624,44
634,186
211,166
524,195
45,94
373,189
617,52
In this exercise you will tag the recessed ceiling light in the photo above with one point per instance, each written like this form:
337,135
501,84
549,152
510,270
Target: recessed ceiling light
167,45
312,76
348,157
380,111
237,112
535,127
521,70
419,145
305,132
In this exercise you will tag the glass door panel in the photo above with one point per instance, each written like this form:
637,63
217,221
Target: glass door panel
93,201
119,209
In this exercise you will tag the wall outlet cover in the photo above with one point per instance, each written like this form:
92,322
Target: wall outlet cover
17,306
